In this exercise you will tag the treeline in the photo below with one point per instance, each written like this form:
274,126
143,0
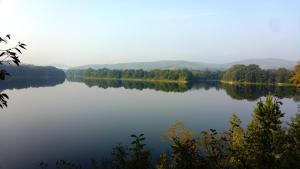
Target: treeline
237,73
30,71
264,143
254,74
184,75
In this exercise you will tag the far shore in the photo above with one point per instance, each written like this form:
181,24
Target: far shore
255,83
185,81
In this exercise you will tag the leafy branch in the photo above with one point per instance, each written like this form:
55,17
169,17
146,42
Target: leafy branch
9,56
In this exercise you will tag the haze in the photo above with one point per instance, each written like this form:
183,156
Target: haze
75,32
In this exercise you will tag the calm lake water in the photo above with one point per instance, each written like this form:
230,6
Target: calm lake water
80,119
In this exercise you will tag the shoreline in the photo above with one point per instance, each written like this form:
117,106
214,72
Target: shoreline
254,83
193,81
139,80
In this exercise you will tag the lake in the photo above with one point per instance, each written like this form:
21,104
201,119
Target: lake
79,119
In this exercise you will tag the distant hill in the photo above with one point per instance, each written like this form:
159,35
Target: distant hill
150,65
60,66
268,63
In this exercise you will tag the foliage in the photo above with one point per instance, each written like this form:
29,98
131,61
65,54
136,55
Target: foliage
8,56
237,73
237,142
264,134
135,156
159,75
254,74
296,77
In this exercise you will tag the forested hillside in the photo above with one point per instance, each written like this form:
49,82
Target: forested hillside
30,71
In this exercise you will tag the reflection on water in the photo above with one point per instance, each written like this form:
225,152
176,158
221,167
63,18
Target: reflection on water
253,92
20,83
75,122
238,92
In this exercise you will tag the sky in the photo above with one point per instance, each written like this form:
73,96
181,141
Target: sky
77,32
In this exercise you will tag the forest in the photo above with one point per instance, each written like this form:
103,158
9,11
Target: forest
254,74
181,75
237,73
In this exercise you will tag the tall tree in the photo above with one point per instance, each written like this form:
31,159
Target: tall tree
237,142
262,135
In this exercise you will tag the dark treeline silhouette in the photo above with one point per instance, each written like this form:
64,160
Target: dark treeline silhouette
31,71
254,74
265,143
238,92
25,76
183,75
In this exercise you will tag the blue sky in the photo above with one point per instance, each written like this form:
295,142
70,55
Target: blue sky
76,32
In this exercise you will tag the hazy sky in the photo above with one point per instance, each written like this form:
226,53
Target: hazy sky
76,32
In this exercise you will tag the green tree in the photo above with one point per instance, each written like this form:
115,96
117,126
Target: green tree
237,142
291,155
263,134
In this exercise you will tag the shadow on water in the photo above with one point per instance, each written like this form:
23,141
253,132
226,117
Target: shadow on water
238,92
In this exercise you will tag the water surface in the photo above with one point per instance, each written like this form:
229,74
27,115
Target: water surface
80,119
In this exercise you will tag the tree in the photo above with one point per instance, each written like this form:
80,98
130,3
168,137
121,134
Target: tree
264,133
295,79
254,74
282,75
237,142
8,56
291,155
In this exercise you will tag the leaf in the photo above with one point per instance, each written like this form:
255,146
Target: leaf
18,50
12,53
5,95
22,46
2,40
8,36
16,62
